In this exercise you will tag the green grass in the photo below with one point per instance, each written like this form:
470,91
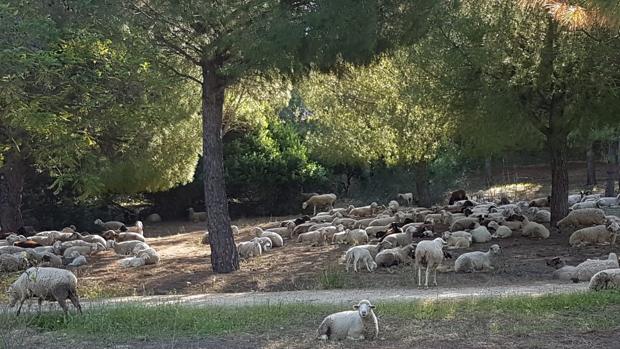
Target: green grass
333,277
513,315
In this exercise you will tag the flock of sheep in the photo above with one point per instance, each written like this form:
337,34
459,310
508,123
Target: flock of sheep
47,257
387,236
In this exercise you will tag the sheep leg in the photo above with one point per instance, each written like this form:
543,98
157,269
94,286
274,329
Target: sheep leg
428,269
355,260
40,304
419,275
63,305
435,276
75,301
19,309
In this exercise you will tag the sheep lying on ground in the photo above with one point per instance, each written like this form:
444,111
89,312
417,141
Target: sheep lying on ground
578,219
608,279
110,225
534,230
375,249
12,262
407,198
430,254
316,238
356,325
357,237
265,243
464,224
125,248
195,216
608,201
13,238
364,211
138,228
480,235
585,270
501,231
395,256
455,240
540,202
286,231
584,205
477,260
320,201
539,216
276,239
356,254
249,249
595,235
45,284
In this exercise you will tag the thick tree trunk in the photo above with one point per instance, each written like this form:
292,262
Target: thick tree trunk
590,166
422,184
11,187
612,165
224,256
558,147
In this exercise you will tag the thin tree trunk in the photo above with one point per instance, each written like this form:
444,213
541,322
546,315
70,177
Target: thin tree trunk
422,184
590,166
11,188
558,147
612,164
224,256
488,171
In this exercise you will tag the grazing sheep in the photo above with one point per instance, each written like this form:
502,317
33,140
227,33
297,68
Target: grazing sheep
477,260
395,256
608,279
429,253
265,243
195,216
316,238
110,225
595,235
249,249
276,239
320,201
465,224
407,198
355,254
457,195
480,234
355,325
153,218
364,211
534,230
45,284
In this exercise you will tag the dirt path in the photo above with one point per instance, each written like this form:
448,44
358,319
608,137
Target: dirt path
345,296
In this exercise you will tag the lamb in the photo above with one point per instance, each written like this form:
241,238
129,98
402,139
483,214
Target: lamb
138,228
430,254
356,325
340,238
195,216
455,241
320,201
480,234
364,211
110,225
457,195
276,239
406,198
356,254
45,284
595,235
608,201
249,249
608,279
316,238
374,249
477,260
534,230
394,256
465,224
125,248
265,243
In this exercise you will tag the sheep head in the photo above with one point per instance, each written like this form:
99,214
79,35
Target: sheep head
495,249
556,262
614,228
364,308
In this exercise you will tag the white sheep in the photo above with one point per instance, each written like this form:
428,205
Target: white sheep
480,235
276,239
195,216
316,238
374,249
608,279
265,243
362,223
357,237
340,238
124,248
83,250
584,205
539,216
137,228
502,232
455,241
585,270
249,249
320,201
13,238
131,262
94,239
348,223
364,211
78,262
356,254
464,224
534,230
595,235
394,256
45,284
13,262
380,222
406,197
110,225
608,201
477,260
331,231
393,206
581,219
356,325
430,254
372,231
149,255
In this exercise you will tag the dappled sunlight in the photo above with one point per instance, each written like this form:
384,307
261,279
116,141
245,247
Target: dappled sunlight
514,191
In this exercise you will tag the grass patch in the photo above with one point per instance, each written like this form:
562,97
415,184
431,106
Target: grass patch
333,277
511,315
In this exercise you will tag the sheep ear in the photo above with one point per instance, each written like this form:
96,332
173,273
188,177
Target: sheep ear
356,306
372,307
